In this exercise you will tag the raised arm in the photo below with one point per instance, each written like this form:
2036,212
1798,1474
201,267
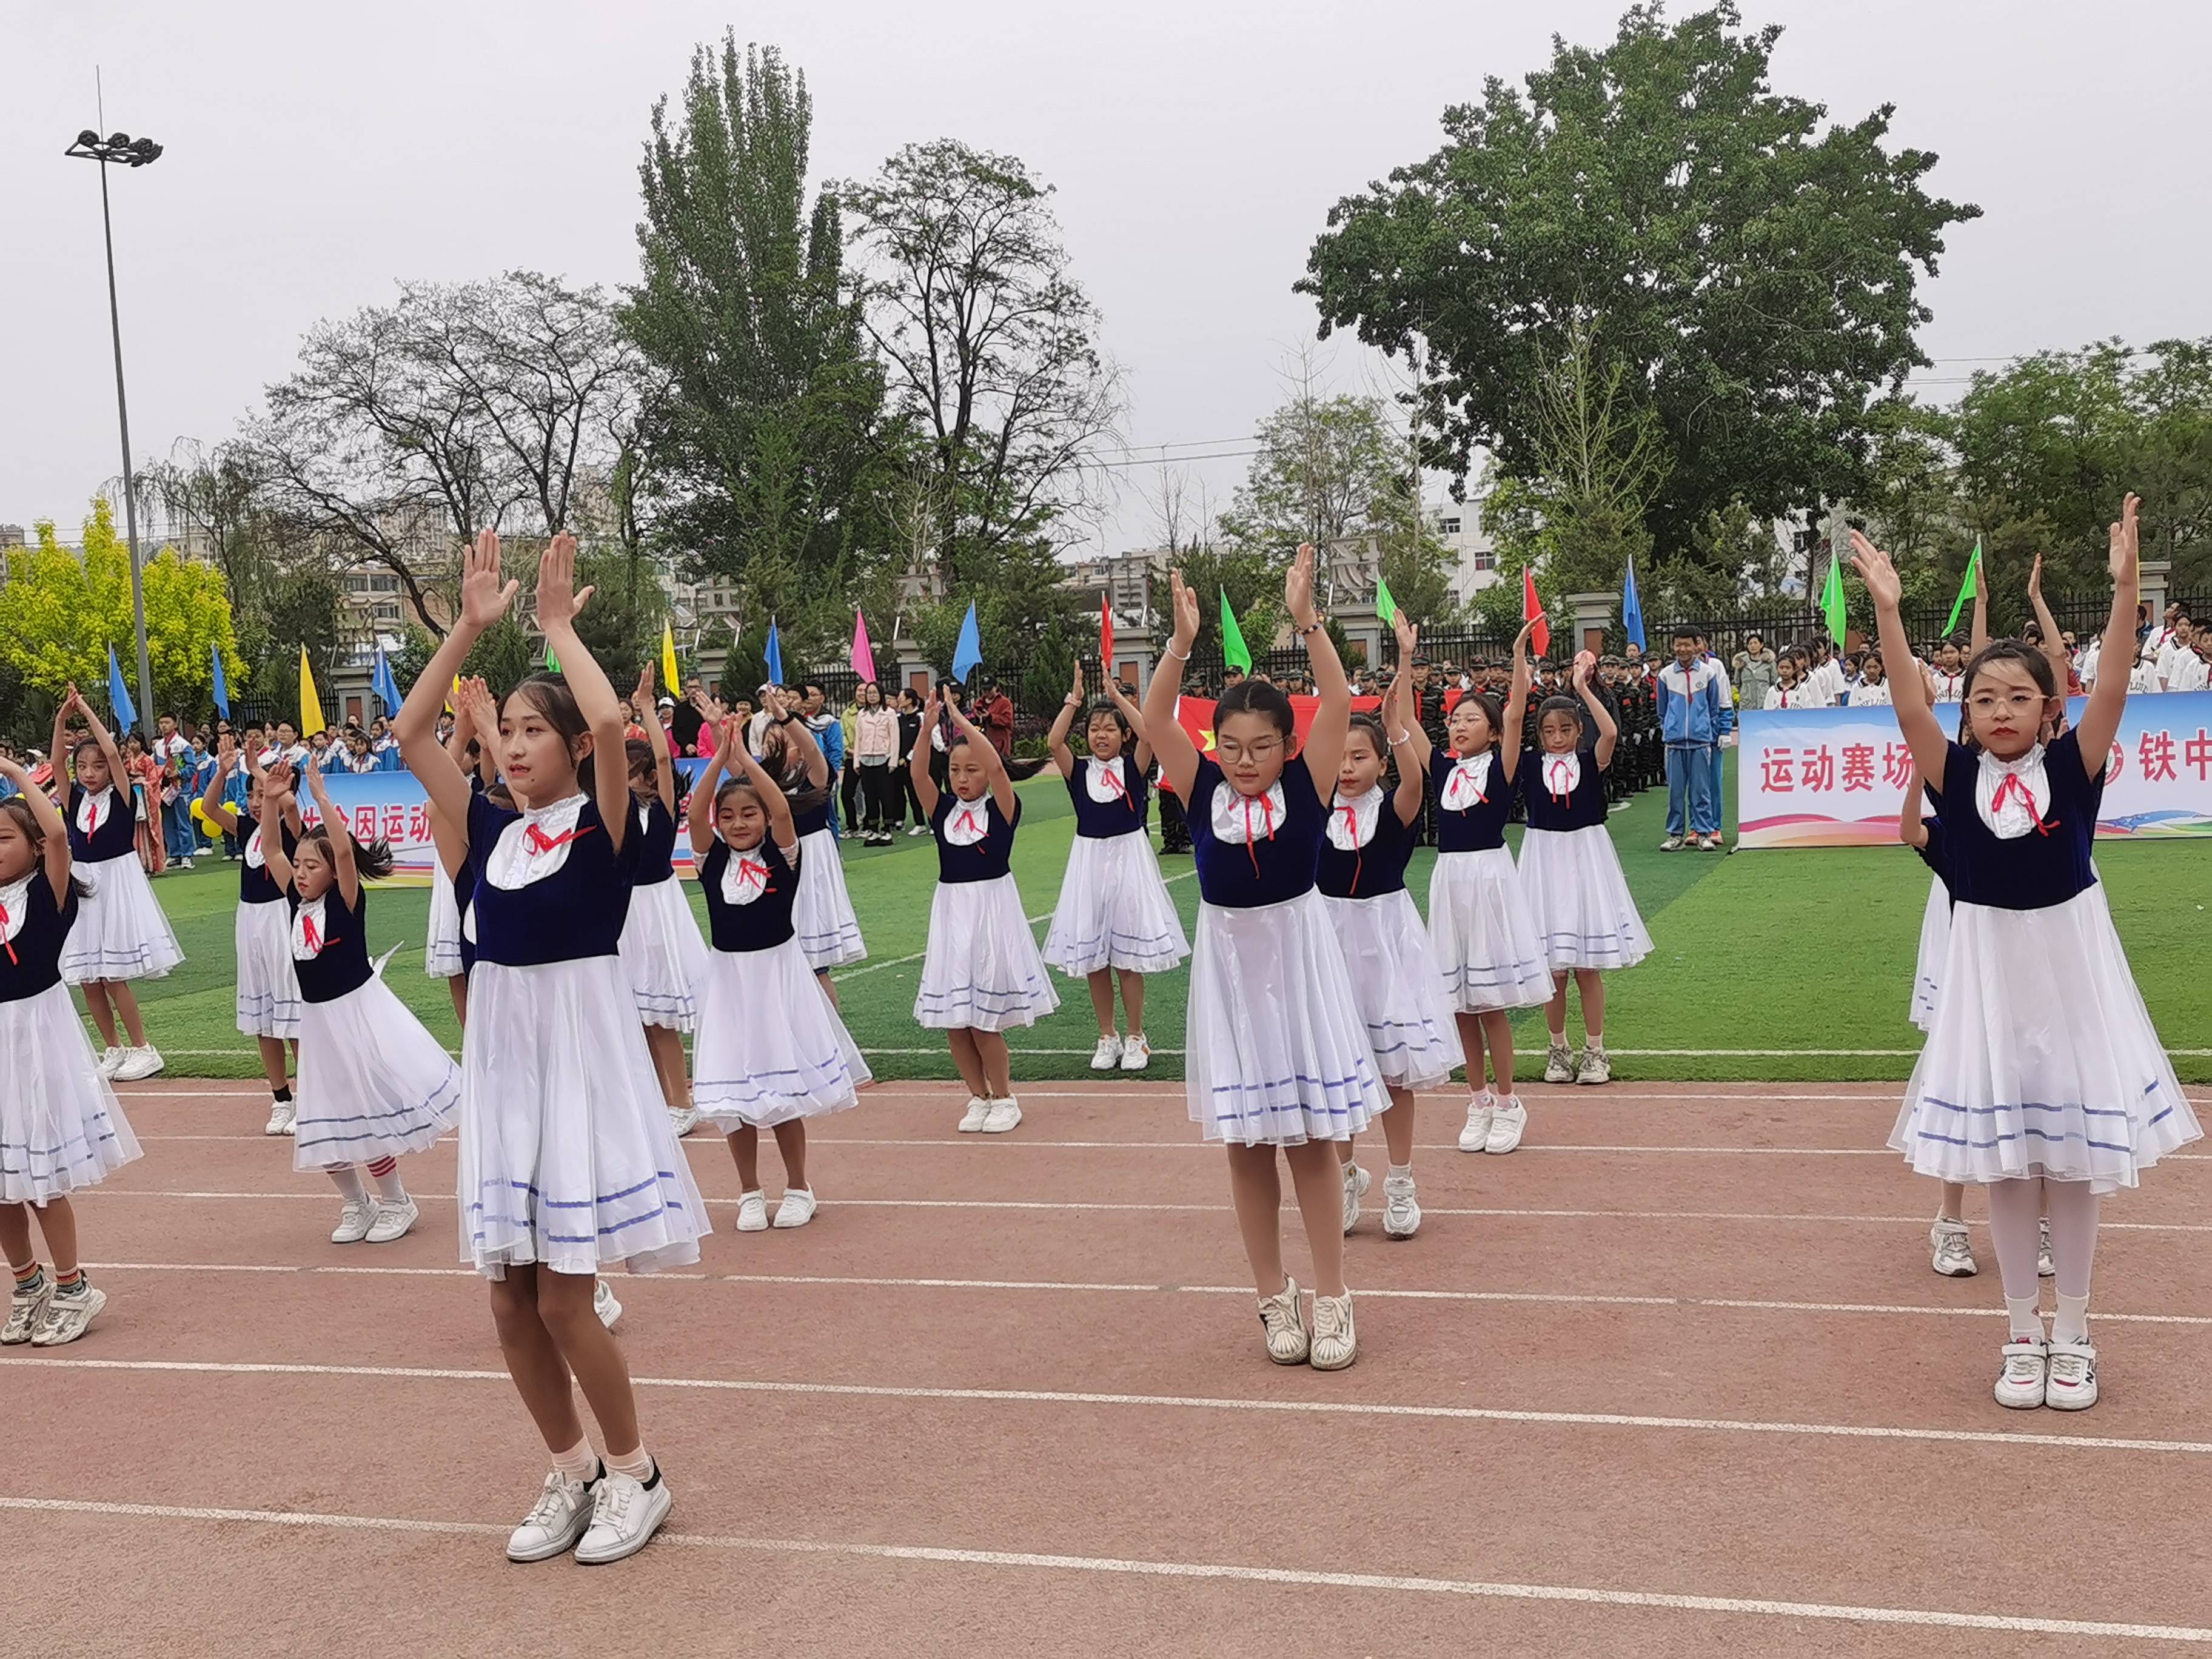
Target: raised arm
483,602
275,798
58,755
1908,693
1408,745
1135,716
117,774
1608,734
51,829
2100,716
341,840
1178,755
1324,745
917,762
1055,741
800,736
476,715
1517,702
558,602
1398,701
649,716
2054,648
1978,641
782,829
213,807
1002,786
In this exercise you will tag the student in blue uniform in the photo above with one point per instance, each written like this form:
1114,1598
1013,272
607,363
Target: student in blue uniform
981,975
661,949
772,1051
568,1158
61,1128
1583,911
267,999
374,1086
1114,921
2043,1078
1277,1055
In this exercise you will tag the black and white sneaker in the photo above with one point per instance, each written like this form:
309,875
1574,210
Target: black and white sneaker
625,1514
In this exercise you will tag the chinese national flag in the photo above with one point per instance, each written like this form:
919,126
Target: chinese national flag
1530,610
1105,636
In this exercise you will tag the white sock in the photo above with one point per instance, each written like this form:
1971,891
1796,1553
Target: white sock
1401,1172
579,1462
637,1465
2071,1322
347,1180
1594,1039
2026,1321
388,1185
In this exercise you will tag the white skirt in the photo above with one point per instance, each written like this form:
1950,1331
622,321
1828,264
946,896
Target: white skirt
828,932
442,950
1114,910
1397,988
373,1082
568,1156
771,1048
2041,1059
121,932
663,954
61,1127
1484,940
981,968
268,990
1276,1053
1579,900
1927,967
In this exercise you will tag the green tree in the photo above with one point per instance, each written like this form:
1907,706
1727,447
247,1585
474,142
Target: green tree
1757,275
1253,580
1323,466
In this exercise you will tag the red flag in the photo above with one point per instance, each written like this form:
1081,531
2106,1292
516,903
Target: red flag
1530,611
1105,636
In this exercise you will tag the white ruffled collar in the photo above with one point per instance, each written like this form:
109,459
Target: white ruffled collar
1560,774
16,904
1102,780
310,931
89,809
1352,824
1238,819
255,858
967,822
1467,784
536,845
746,876
2013,797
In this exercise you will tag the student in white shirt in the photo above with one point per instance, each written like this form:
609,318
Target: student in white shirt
1825,682
1950,673
1791,689
2187,672
1873,689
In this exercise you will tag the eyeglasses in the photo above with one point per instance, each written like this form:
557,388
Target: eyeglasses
1258,751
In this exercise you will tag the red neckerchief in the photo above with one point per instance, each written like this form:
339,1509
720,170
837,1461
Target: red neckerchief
1359,856
1114,777
1267,812
2009,786
753,870
967,822
1481,800
13,961
539,843
307,932
1550,778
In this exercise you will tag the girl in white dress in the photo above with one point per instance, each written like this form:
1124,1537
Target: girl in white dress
661,949
268,995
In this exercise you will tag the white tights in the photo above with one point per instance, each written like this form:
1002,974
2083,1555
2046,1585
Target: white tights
2016,1208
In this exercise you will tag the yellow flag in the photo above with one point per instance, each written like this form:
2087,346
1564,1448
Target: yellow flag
311,705
669,677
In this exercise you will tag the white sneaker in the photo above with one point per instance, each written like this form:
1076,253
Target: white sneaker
1954,1254
27,1311
1596,1065
556,1522
1672,844
1712,843
2073,1381
979,1112
1478,1110
1559,1064
1003,1115
2020,1383
919,829
1136,1052
603,1303
111,1060
184,864
1106,1055
1401,1214
1507,1125
2044,1268
1355,1183
1334,1343
393,1220
1283,1320
68,1313
280,1114
752,1212
625,1514
138,1063
684,1120
354,1222
797,1208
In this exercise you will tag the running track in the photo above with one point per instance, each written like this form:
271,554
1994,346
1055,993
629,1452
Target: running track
1674,1378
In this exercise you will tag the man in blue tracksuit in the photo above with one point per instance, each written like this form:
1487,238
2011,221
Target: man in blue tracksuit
1688,690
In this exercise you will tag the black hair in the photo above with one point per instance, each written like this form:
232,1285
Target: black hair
372,860
1367,720
549,694
2028,656
20,810
1689,634
87,741
1487,702
1250,696
1106,706
639,755
1552,706
801,790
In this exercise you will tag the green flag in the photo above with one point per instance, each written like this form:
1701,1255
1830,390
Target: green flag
552,663
1832,600
1234,652
1965,588
1385,606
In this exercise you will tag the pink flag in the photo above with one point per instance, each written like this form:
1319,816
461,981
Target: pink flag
864,658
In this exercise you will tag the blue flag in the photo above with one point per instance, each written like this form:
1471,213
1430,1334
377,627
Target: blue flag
774,655
118,696
1632,608
381,681
968,655
221,685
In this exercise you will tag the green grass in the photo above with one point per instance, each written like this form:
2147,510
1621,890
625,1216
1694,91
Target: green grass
1801,952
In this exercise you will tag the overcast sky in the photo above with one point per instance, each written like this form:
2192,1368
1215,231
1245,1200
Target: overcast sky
316,156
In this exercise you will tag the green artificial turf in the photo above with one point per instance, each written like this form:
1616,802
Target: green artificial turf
1808,952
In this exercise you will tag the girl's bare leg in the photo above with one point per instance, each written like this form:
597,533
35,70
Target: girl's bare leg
968,1060
126,1010
592,1355
1591,983
1100,985
666,1045
1497,1030
1255,1188
791,1141
745,1147
1315,1173
102,1011
997,1065
1133,998
533,1358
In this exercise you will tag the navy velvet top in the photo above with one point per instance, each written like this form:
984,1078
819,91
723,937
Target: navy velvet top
1269,868
980,860
1102,820
656,844
1584,807
257,885
1377,868
114,836
2044,868
575,912
1931,851
342,966
31,962
765,923
1479,825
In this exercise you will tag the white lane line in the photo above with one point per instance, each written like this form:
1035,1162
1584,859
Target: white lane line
1540,1298
1030,1560
1186,1402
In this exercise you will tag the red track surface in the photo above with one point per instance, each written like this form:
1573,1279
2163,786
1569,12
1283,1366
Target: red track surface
1675,1377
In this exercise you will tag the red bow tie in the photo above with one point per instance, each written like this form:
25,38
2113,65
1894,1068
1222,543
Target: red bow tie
539,843
2010,786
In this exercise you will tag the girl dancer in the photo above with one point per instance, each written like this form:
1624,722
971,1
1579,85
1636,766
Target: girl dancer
1115,919
373,1084
568,1160
1950,1250
471,739
268,998
772,1052
1278,1054
1484,936
982,976
828,932
1395,983
60,1127
1585,913
2042,1069
121,933
661,949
